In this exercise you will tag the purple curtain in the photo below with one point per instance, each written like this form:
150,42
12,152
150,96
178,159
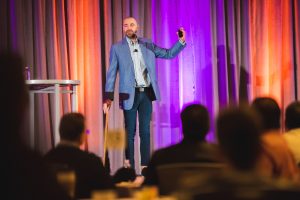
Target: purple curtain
212,69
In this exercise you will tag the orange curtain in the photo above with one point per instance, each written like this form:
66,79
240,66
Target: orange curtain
67,46
271,49
85,64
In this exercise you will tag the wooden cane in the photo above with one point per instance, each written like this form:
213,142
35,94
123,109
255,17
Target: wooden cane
105,137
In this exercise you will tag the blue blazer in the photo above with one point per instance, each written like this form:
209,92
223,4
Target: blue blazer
120,61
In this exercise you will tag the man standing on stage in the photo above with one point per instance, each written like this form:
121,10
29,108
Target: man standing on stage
134,59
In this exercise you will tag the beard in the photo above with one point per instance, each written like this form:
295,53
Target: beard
131,34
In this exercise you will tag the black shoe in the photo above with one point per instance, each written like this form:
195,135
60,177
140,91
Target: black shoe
144,171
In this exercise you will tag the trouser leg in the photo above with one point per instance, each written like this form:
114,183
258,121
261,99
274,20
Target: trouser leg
144,114
130,127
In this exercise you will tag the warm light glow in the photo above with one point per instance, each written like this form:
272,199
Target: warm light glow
271,50
85,65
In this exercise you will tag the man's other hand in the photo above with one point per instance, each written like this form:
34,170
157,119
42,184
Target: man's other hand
106,106
182,39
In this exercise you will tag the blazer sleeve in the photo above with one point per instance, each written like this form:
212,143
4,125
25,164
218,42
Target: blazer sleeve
111,75
168,53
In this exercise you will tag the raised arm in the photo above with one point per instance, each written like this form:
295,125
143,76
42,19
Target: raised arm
173,51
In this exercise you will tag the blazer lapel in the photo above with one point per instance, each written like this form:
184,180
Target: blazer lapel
143,50
127,54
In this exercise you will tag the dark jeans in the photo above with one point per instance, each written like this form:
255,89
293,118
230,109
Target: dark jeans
143,106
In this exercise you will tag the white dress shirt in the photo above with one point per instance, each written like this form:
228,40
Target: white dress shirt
142,78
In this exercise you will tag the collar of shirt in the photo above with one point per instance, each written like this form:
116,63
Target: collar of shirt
130,42
133,46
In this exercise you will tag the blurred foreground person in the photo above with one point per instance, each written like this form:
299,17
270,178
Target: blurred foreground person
277,160
25,175
192,149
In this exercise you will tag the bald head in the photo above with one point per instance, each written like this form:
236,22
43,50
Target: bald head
130,27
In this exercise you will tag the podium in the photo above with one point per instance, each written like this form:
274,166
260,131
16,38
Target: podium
55,87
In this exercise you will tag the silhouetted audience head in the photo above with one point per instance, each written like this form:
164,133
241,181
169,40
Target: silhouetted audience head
195,122
72,127
238,133
14,102
292,116
269,111
124,174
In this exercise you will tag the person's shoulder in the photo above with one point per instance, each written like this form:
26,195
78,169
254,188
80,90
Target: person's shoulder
89,158
145,40
293,132
120,42
93,157
118,45
91,154
52,153
165,151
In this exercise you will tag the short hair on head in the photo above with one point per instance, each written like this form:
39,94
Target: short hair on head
195,122
71,126
292,115
269,111
238,132
130,17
